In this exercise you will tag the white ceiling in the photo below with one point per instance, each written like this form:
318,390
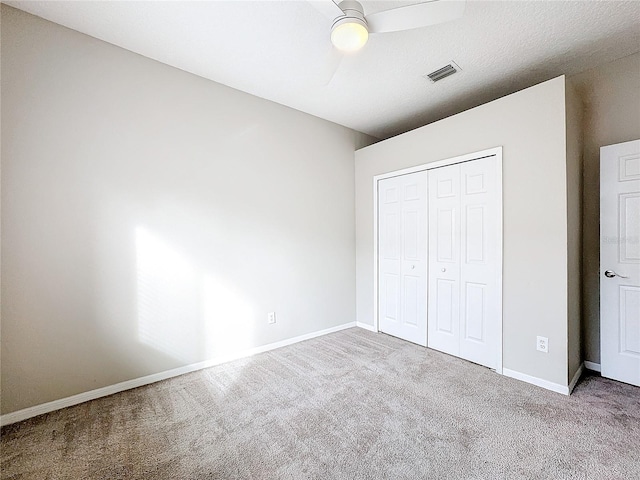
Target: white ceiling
280,50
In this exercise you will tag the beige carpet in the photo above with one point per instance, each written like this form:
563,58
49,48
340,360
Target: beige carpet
350,405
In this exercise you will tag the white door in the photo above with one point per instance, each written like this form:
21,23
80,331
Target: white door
402,248
464,260
444,259
620,262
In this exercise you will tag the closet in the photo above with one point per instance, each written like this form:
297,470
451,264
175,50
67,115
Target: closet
440,258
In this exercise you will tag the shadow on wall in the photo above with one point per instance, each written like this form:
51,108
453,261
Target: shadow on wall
183,309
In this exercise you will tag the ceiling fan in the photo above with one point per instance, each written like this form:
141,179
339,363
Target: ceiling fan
351,28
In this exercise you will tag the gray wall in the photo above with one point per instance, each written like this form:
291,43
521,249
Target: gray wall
574,111
152,218
530,125
611,97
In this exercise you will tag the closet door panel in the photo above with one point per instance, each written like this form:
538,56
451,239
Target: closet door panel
479,262
444,259
402,266
463,267
389,255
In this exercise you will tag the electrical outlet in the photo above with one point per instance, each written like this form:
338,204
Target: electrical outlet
271,317
542,344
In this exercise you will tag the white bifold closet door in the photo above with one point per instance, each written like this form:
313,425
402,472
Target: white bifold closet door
463,260
402,251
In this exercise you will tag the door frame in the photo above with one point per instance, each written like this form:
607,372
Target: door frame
491,152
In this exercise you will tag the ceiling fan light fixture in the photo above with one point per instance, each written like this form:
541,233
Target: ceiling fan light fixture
349,35
350,32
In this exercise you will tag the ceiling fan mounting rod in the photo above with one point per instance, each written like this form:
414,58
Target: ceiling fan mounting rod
351,9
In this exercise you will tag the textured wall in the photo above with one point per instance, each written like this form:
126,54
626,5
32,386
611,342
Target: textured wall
530,126
574,112
611,97
152,218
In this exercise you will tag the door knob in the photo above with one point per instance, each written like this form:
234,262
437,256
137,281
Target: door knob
611,274
444,269
412,267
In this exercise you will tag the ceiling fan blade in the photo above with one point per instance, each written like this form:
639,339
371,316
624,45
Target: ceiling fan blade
415,16
328,8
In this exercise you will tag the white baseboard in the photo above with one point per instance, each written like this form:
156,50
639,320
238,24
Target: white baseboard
554,387
366,326
36,410
595,367
576,377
